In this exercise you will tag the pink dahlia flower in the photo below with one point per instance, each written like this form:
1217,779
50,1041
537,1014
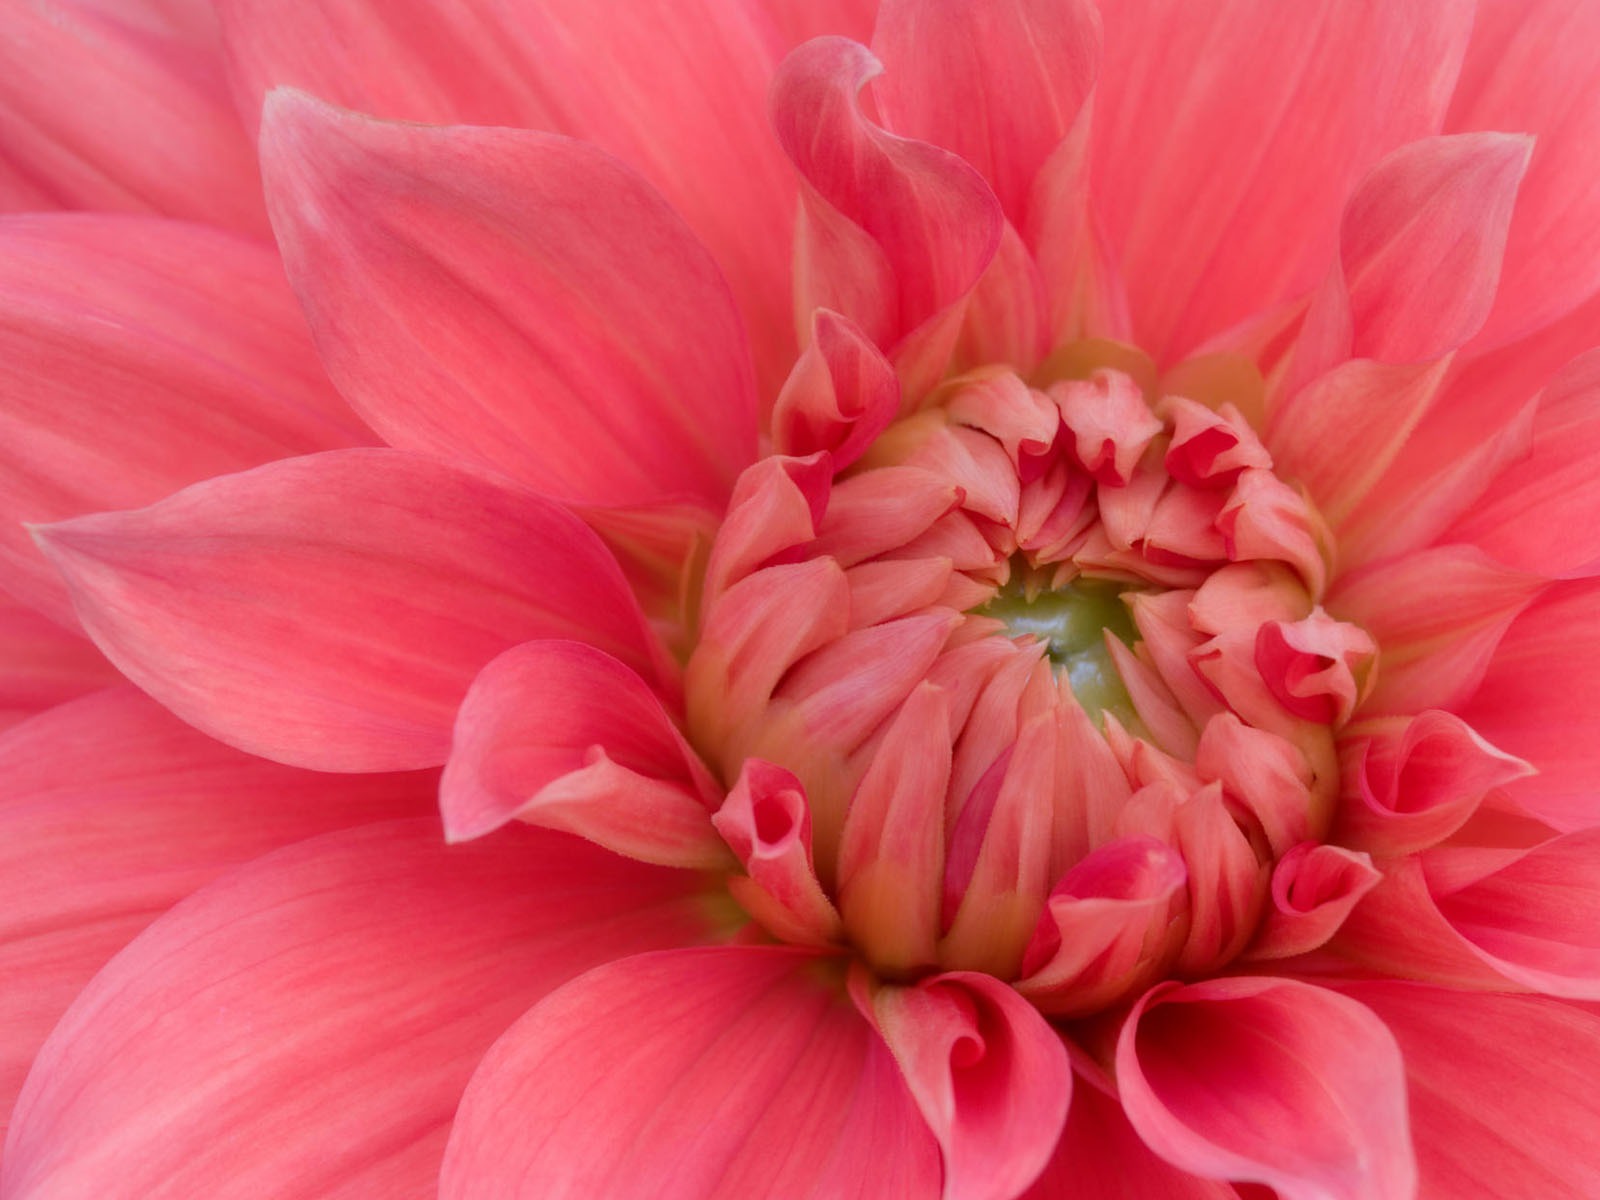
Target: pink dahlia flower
1005,592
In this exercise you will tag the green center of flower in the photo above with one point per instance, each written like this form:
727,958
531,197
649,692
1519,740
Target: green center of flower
1072,622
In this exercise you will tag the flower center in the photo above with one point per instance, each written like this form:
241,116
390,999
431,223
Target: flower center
1035,682
1072,622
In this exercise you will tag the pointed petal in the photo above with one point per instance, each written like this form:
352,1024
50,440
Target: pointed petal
122,107
42,665
187,345
1540,696
841,394
676,90
562,735
1487,1122
991,1077
246,604
452,273
721,1074
1216,202
1270,1081
894,233
1528,67
115,810
999,84
304,1026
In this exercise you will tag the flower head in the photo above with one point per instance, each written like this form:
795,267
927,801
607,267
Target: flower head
1002,592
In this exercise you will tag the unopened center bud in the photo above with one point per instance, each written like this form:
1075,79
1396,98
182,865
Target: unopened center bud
1073,622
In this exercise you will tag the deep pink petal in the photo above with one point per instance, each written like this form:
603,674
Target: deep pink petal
114,810
122,107
991,1077
186,357
722,1074
894,233
518,300
1540,700
1217,203
304,1026
1100,1155
42,664
1502,1090
562,735
998,82
330,611
1543,512
675,88
1528,67
1270,1081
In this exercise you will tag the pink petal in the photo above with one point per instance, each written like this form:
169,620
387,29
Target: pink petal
1543,512
1270,1081
186,358
991,1077
42,665
998,83
114,810
1438,616
841,394
1216,201
1528,67
1488,1122
122,107
330,611
1314,888
304,1026
450,274
722,1074
562,735
893,233
676,90
1541,697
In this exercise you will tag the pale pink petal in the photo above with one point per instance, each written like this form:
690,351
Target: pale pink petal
893,233
1540,700
42,664
776,505
1502,1090
991,1077
1529,67
518,300
1269,1081
562,735
1217,203
122,107
1100,1156
304,1026
724,1074
999,82
330,611
136,356
1437,617
675,88
114,810
1542,513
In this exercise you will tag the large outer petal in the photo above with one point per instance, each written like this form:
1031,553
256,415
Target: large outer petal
1271,1081
42,664
518,300
331,611
674,87
114,810
1228,132
1503,1103
1531,66
138,355
304,1027
723,1074
122,105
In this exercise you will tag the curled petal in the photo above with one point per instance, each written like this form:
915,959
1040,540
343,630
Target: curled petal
776,506
991,1078
562,735
1314,887
1316,667
841,394
1271,1081
1110,422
